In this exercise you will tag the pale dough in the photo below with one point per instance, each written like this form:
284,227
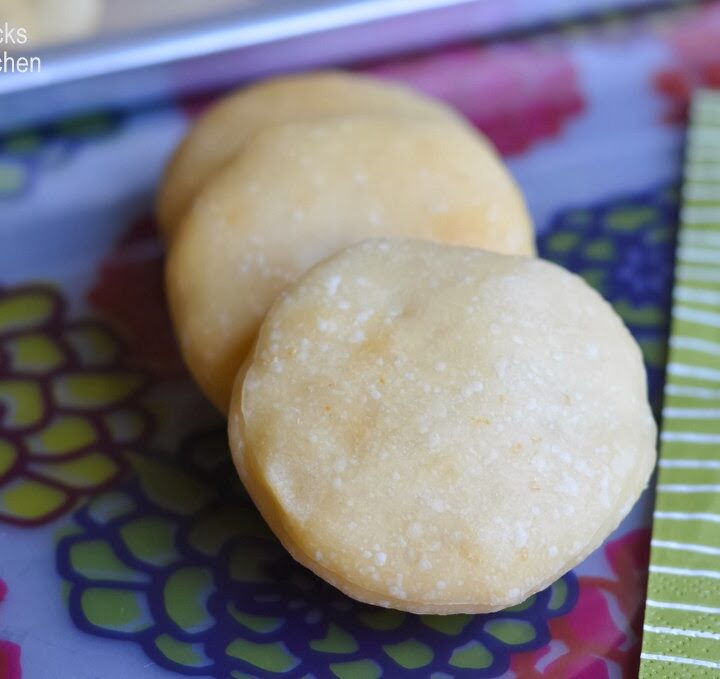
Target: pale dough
440,429
222,131
299,193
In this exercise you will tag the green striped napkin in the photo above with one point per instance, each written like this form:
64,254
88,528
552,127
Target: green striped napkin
681,635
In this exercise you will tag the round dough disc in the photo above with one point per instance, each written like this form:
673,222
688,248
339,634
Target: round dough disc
220,134
440,429
299,193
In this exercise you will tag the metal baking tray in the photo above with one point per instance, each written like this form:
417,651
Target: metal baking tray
121,68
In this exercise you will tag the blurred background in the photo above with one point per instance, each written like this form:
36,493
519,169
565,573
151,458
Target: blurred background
121,52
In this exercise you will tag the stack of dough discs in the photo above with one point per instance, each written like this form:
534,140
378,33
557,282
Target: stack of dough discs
221,133
300,192
441,429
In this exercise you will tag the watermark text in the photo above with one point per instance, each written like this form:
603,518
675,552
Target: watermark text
10,62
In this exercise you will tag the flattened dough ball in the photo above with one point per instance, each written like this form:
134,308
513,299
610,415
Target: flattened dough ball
220,134
440,429
299,193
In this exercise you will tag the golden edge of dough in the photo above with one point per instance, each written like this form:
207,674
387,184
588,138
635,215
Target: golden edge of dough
169,217
170,264
263,498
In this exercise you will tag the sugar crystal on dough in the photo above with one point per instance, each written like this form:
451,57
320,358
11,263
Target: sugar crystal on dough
397,592
364,316
415,530
332,284
473,388
438,505
357,336
521,535
327,326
